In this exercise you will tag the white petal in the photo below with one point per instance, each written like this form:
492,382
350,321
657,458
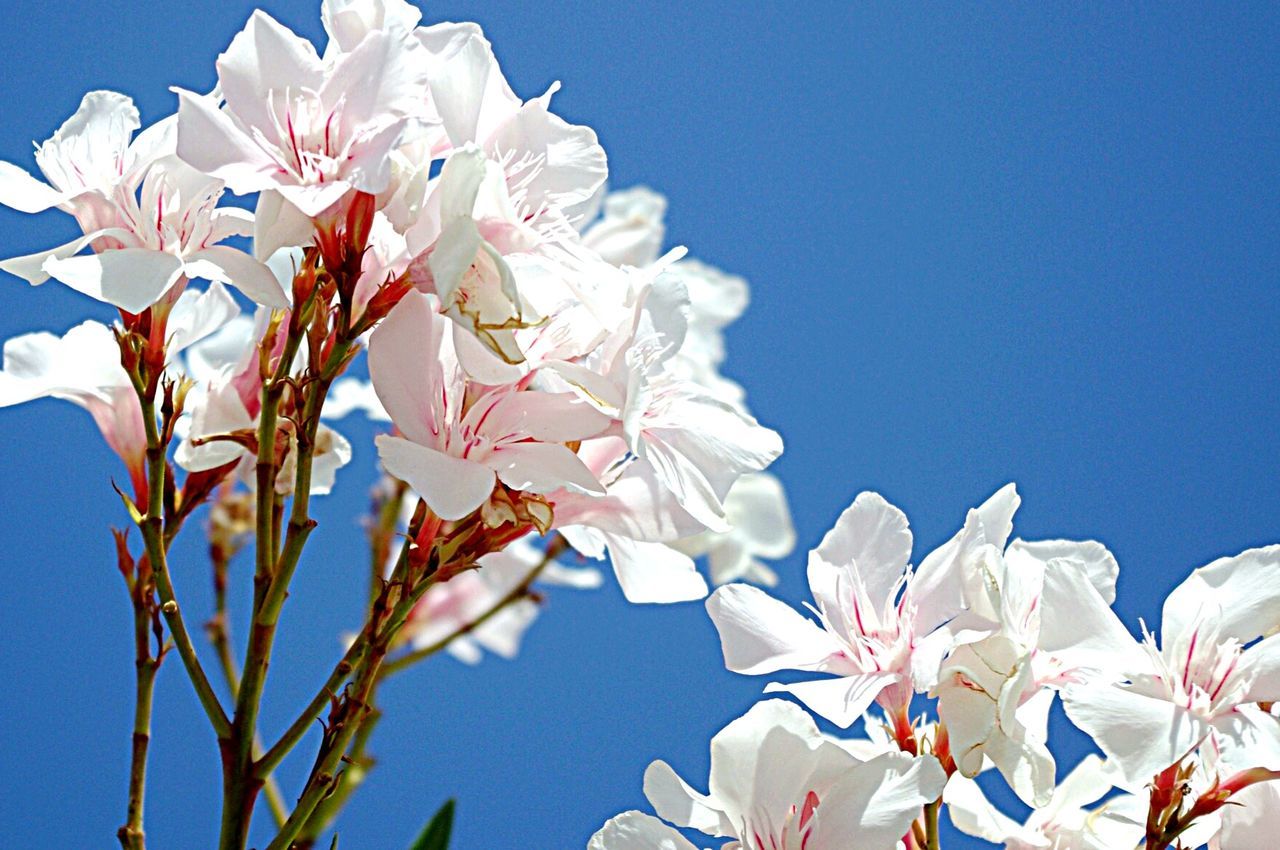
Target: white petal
22,192
450,486
31,267
1253,822
1263,659
467,87
265,59
1076,624
873,806
405,365
674,801
541,468
1141,735
236,268
872,536
197,314
209,140
454,254
573,163
972,814
637,831
760,634
131,278
1092,557
1241,594
652,572
278,224
841,700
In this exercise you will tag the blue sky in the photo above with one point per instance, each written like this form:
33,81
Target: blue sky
986,243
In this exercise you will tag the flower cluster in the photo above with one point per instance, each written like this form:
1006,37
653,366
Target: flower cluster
547,378
445,257
991,631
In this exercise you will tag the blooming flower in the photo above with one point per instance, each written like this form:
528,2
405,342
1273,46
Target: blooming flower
83,367
293,124
1052,628
451,607
778,784
1063,823
226,401
459,440
150,218
1199,682
875,613
756,508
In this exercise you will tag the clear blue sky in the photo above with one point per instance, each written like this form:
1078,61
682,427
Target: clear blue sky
986,244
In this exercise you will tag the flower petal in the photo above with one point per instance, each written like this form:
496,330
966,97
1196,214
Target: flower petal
872,536
131,278
224,264
638,831
22,192
1139,734
653,572
760,634
1241,594
452,487
541,468
841,700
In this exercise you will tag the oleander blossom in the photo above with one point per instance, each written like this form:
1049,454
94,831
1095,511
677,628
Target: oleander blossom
778,784
877,616
151,219
1217,657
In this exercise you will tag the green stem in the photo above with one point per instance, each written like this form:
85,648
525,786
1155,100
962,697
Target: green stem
346,717
932,834
242,780
131,835
219,629
152,529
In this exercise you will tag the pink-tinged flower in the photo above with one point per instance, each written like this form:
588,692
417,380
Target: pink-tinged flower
91,156
1197,685
778,784
83,367
697,445
877,618
452,606
151,219
459,439
227,398
1063,823
292,123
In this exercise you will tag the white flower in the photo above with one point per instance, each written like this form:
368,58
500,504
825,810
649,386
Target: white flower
1052,627
756,508
309,129
876,614
1198,683
458,441
1063,823
150,218
778,784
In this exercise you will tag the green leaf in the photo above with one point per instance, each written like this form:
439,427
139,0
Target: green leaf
334,845
436,835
